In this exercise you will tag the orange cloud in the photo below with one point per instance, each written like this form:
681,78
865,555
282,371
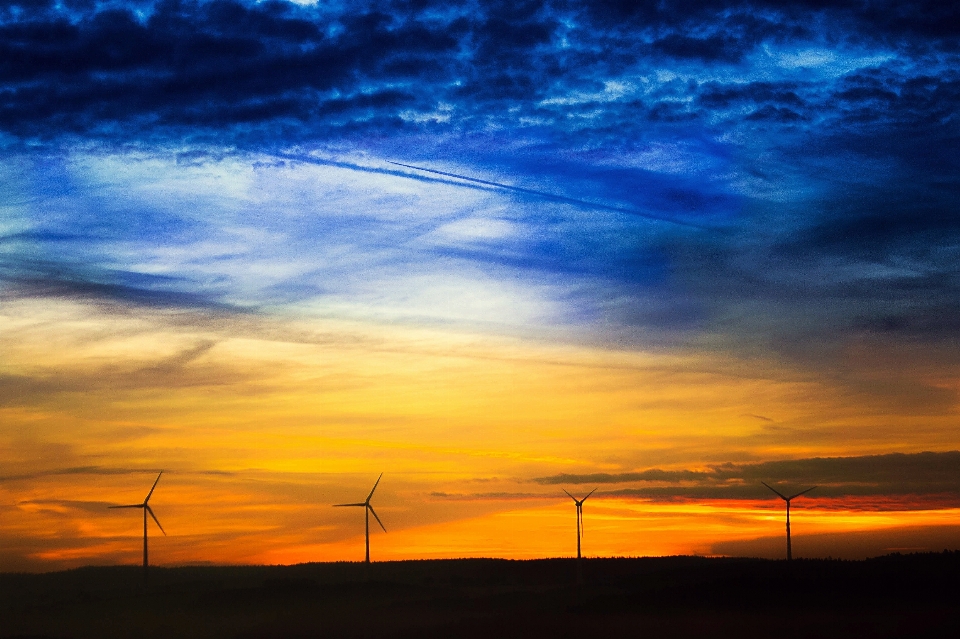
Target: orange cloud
262,423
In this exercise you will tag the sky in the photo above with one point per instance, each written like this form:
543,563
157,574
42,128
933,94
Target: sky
668,250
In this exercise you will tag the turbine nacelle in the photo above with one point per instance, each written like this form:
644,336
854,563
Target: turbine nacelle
784,497
579,502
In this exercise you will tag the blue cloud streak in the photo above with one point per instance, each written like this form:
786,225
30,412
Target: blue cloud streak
821,138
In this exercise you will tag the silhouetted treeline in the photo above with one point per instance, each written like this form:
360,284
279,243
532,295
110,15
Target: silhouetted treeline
891,596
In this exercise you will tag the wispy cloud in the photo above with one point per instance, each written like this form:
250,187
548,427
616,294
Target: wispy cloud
96,470
817,137
895,474
75,470
197,199
491,496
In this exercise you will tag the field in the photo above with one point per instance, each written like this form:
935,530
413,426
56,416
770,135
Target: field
892,596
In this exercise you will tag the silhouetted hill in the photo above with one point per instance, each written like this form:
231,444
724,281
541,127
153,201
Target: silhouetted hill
892,596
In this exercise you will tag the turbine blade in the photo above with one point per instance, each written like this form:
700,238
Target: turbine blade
580,515
151,488
570,496
130,506
774,490
375,516
802,492
588,494
374,488
150,510
342,505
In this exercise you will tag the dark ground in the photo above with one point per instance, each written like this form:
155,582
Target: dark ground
892,596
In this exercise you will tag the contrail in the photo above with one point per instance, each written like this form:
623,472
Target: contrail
551,196
483,185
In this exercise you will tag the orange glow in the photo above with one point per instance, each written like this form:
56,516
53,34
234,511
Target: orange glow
261,425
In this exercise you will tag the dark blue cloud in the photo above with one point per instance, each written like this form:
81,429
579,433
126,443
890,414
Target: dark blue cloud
820,139
277,73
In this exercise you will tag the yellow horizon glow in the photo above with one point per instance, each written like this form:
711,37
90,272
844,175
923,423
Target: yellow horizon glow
261,423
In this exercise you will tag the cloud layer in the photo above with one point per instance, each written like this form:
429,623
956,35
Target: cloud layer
283,72
820,137
872,475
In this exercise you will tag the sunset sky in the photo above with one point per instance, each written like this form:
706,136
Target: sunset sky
492,250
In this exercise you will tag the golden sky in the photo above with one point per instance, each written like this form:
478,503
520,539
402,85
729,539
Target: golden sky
260,424
491,250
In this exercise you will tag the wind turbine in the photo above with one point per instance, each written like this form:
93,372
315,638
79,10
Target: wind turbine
367,510
787,499
146,509
579,503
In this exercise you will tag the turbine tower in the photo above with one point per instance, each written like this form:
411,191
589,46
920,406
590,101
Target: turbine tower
787,499
145,506
579,503
367,510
